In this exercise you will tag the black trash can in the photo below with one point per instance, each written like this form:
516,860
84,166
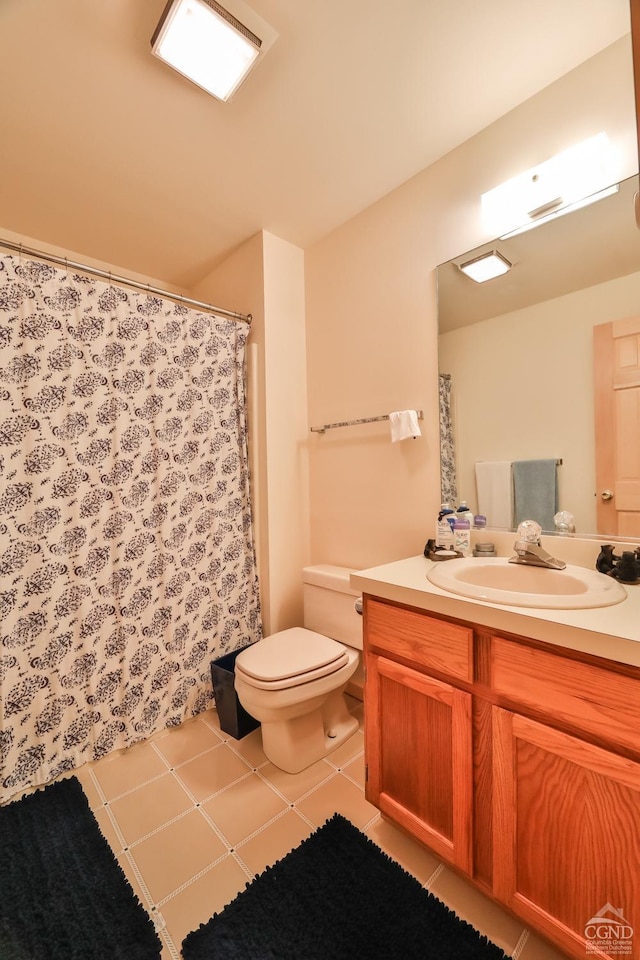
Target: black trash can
234,719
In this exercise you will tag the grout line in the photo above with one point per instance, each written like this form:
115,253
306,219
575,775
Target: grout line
166,937
210,796
351,779
196,756
156,749
303,796
231,850
434,876
196,876
127,853
274,819
520,945
159,829
130,790
212,726
374,819
250,875
152,909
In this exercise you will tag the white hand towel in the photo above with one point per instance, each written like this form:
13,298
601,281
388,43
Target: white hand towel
495,492
404,424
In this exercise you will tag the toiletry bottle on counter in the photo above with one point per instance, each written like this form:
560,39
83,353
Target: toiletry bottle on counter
444,531
462,535
465,511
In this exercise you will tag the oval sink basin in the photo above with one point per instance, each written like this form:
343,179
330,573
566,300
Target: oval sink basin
497,581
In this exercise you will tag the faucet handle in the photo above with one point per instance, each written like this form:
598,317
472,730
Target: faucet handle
564,522
531,531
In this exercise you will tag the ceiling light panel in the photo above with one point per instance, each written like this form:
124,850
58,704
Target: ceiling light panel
486,267
210,44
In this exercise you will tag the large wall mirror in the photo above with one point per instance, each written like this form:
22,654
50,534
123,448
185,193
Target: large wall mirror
519,349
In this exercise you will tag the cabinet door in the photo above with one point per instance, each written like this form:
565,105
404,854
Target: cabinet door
566,837
418,754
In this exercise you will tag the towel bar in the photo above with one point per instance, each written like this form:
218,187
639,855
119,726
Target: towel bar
355,423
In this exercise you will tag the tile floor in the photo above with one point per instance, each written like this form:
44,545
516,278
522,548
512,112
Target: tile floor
193,814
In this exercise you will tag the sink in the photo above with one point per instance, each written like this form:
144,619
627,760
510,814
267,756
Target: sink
496,580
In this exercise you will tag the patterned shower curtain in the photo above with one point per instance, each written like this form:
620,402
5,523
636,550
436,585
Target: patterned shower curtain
448,476
127,559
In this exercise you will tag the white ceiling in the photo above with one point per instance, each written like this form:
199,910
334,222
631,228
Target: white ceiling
107,152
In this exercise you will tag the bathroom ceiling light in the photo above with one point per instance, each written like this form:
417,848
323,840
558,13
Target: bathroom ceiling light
486,267
560,213
209,45
552,187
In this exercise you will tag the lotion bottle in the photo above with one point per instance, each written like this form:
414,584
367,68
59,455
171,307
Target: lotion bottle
444,531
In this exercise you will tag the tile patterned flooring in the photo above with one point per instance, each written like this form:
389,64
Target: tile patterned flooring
193,815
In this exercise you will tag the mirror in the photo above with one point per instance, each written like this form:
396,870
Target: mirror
519,349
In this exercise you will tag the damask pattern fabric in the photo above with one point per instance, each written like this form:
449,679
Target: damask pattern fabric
448,475
126,548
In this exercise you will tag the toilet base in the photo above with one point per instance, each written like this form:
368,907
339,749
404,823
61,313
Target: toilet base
294,744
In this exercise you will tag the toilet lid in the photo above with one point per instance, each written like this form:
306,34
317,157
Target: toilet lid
290,657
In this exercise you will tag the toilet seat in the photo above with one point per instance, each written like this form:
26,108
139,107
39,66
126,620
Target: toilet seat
290,658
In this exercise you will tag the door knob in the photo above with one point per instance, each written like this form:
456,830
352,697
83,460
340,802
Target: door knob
607,494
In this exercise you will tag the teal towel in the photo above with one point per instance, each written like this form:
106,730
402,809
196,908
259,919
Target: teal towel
535,491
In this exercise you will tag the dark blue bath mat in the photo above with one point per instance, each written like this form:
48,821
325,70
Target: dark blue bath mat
335,897
63,895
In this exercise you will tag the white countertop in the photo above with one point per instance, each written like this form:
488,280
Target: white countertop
612,632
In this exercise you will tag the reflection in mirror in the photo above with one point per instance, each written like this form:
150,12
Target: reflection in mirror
520,356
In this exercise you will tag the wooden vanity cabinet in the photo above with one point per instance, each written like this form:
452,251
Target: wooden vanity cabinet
419,733
517,763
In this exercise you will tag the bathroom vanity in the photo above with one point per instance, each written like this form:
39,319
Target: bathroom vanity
508,741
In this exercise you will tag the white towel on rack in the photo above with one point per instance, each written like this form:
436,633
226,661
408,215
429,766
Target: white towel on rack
404,424
494,486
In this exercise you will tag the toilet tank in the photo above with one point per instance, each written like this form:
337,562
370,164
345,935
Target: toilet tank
329,604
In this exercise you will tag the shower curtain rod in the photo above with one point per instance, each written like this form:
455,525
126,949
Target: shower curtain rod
112,278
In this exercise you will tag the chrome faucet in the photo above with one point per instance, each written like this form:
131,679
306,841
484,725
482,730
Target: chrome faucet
529,549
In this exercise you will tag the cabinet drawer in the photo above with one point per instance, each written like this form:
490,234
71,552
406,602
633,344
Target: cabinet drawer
590,697
425,641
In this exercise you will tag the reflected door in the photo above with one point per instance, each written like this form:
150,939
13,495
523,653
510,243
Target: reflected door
616,349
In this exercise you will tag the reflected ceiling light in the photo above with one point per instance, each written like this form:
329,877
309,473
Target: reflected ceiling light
552,187
560,213
209,45
486,266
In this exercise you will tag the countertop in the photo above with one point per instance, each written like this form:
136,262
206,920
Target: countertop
611,632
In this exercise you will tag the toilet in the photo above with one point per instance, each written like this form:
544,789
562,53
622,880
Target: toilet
294,681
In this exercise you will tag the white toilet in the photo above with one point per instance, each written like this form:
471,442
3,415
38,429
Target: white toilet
294,681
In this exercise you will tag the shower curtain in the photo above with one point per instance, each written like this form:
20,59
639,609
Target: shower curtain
448,477
127,559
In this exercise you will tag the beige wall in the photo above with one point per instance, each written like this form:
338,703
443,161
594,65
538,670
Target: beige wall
372,322
286,468
265,277
515,404
76,256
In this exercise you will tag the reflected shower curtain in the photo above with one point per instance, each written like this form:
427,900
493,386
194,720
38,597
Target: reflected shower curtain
448,477
126,549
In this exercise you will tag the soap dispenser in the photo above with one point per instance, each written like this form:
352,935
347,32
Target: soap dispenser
444,529
465,511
